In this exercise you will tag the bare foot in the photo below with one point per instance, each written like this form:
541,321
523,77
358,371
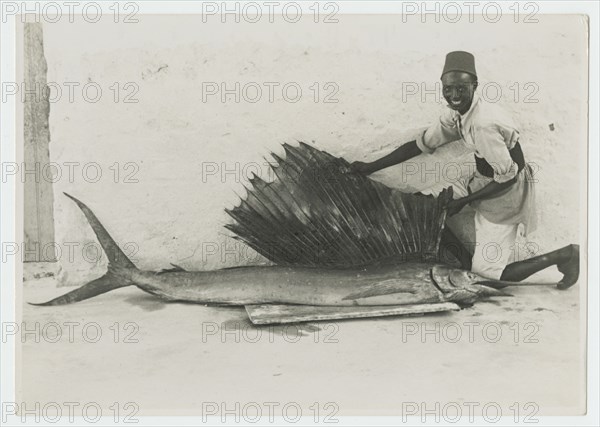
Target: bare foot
569,268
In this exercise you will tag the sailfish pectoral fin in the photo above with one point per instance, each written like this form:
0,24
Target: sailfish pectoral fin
387,287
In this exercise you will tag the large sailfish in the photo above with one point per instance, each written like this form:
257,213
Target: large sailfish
343,244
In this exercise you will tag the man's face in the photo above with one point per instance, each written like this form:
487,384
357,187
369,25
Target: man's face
458,89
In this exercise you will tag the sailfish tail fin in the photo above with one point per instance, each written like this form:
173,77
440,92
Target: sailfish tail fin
116,257
118,264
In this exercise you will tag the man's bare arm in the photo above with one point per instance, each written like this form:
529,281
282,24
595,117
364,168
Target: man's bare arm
486,192
399,155
489,190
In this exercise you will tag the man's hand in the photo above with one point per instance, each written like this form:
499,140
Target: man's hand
455,206
360,167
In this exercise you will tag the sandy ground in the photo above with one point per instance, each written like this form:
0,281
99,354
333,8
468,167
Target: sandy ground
176,359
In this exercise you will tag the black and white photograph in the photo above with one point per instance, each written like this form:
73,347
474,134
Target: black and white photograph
299,213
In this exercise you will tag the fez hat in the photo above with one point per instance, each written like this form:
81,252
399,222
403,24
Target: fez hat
460,61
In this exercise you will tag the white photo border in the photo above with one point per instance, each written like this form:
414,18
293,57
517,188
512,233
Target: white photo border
11,203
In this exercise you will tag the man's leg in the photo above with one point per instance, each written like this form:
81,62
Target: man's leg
495,243
493,248
566,259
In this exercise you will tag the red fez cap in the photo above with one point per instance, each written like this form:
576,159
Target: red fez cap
460,61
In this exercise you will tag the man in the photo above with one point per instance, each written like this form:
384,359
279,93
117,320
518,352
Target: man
500,190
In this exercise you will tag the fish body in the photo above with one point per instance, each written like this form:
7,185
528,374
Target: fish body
387,282
393,284
337,239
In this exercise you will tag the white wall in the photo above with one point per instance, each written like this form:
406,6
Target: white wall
172,213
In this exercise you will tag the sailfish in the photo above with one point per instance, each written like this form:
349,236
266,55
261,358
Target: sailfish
343,246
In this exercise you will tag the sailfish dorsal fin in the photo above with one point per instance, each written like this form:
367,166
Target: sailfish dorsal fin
316,212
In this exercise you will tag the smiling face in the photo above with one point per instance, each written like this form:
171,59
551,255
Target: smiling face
458,89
